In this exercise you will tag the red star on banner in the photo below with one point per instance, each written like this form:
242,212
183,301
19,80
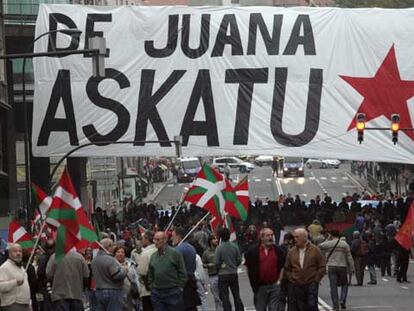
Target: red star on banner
384,94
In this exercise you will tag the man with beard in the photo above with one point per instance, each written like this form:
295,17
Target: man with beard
264,263
14,285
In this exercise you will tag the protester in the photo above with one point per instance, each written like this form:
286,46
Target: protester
166,276
265,263
190,294
371,258
228,258
403,260
340,263
109,277
209,262
67,277
143,262
128,301
202,283
14,284
359,248
305,267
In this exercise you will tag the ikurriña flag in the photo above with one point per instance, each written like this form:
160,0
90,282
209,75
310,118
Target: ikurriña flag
19,235
206,191
68,216
237,199
405,235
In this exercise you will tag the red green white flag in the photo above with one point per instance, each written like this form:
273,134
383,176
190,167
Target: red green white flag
43,200
237,199
68,216
206,191
19,235
406,233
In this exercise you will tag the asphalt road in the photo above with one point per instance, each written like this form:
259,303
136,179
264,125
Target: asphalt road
387,295
335,182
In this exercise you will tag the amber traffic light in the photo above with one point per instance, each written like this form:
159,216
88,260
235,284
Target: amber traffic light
360,125
395,127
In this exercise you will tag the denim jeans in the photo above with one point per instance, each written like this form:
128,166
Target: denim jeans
333,283
372,273
108,299
68,305
267,297
203,297
226,281
215,292
170,299
303,297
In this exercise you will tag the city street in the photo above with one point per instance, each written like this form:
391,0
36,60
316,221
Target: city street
335,182
387,295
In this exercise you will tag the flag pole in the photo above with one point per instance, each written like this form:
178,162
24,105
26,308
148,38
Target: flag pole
35,245
176,212
197,224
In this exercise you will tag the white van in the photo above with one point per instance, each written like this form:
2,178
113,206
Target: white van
188,168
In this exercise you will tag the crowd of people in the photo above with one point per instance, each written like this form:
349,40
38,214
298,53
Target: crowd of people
144,263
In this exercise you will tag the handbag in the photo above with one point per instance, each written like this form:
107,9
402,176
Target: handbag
133,290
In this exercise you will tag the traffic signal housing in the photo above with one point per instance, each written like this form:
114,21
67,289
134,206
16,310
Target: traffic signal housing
360,125
395,127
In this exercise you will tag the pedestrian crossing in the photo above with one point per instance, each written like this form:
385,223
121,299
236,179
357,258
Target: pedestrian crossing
299,180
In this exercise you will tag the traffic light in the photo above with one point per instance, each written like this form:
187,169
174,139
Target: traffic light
395,127
360,125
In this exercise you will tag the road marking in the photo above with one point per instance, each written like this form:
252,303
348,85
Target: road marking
345,178
268,179
319,183
323,304
305,194
384,279
323,178
312,178
334,178
405,287
278,186
257,180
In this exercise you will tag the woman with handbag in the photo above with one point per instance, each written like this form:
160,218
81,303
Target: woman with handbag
131,300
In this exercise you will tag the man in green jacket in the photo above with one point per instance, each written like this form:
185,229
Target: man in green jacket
166,275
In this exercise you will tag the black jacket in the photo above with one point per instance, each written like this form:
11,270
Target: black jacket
252,264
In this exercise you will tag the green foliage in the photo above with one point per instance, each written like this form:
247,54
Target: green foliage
375,3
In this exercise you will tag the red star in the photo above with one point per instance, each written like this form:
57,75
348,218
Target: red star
384,94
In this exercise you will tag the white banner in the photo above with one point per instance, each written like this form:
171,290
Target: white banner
230,80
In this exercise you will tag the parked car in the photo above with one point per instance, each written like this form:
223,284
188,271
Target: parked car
233,162
263,160
323,163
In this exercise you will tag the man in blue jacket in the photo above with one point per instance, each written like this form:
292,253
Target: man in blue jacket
265,262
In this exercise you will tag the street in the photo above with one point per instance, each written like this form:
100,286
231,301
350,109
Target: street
386,295
335,182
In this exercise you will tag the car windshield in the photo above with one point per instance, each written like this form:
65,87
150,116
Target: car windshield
292,160
191,164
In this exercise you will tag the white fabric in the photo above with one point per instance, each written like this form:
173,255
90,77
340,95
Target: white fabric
347,43
9,291
302,256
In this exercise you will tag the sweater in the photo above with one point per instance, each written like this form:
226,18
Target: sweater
68,276
167,270
107,272
340,257
10,292
228,258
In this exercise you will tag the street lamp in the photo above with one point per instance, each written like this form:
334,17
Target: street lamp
94,52
26,138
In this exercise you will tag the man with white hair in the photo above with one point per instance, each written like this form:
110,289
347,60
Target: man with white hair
305,267
14,286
